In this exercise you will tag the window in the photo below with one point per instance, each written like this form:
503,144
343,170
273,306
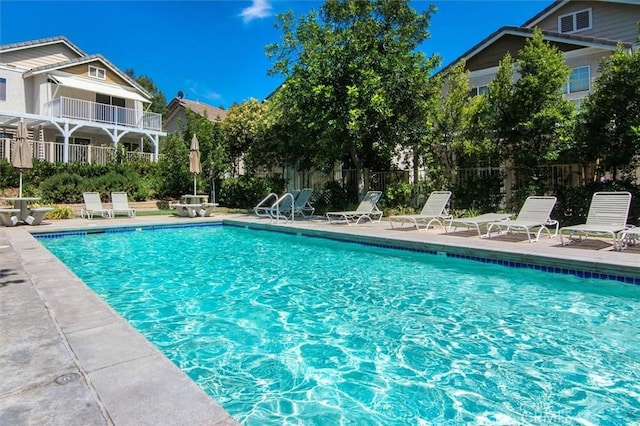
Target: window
579,81
480,90
574,22
3,89
96,72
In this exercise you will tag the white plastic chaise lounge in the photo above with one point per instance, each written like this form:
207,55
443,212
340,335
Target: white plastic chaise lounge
433,211
120,204
93,206
607,217
534,214
630,236
366,210
287,207
478,222
264,207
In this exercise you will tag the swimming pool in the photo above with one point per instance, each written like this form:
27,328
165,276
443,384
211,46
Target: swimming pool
282,329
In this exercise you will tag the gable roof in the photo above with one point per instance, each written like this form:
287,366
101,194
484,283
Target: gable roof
82,58
87,59
553,7
566,41
41,42
198,107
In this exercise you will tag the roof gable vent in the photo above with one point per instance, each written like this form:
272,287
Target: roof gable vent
575,21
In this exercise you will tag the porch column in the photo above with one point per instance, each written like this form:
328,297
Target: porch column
65,146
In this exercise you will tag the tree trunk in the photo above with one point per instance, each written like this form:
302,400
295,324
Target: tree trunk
360,178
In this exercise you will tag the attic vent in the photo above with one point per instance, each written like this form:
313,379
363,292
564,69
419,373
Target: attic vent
574,22
583,20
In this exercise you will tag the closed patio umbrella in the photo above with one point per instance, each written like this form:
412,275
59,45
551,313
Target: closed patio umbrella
21,156
194,160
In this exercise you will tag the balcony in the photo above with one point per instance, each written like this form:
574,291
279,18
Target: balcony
78,109
53,152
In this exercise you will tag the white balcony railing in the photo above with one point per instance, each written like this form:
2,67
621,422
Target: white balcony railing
78,109
53,152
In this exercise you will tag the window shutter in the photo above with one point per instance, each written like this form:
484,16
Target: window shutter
566,24
582,20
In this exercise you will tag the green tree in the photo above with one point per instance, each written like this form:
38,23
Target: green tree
173,167
158,100
452,120
531,120
609,123
355,84
213,155
245,131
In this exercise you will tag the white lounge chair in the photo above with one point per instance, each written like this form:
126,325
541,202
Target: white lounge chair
93,205
477,222
534,214
607,217
264,207
433,211
288,206
367,209
628,237
120,204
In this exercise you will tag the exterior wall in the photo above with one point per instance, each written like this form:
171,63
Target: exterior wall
171,125
574,59
38,56
610,20
83,71
15,90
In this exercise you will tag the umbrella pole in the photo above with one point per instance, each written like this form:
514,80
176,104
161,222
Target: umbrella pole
194,184
20,191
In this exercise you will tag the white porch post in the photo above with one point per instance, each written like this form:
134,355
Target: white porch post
65,146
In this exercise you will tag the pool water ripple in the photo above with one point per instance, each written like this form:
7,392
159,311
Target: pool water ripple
281,329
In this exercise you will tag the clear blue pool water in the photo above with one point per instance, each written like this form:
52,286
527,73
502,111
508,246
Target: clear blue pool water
283,329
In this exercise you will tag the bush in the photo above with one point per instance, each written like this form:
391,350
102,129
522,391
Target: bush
481,194
245,192
63,188
61,212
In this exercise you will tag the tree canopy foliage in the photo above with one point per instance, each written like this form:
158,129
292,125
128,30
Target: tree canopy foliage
609,124
356,88
158,100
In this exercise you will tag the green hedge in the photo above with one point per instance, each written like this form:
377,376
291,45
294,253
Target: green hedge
246,192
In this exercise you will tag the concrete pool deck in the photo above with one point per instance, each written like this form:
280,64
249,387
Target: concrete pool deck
67,358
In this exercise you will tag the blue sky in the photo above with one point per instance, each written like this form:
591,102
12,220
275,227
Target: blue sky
213,51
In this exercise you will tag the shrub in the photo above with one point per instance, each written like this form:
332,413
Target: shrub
478,193
63,188
245,191
61,212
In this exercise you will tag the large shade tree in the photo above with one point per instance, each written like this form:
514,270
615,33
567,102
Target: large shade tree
609,123
355,87
528,117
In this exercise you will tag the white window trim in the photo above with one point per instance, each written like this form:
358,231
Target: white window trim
4,97
574,15
568,84
97,72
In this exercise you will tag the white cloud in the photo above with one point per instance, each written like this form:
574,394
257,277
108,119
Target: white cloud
258,9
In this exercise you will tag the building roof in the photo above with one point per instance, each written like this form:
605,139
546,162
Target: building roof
550,36
41,42
81,59
84,60
558,4
211,112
